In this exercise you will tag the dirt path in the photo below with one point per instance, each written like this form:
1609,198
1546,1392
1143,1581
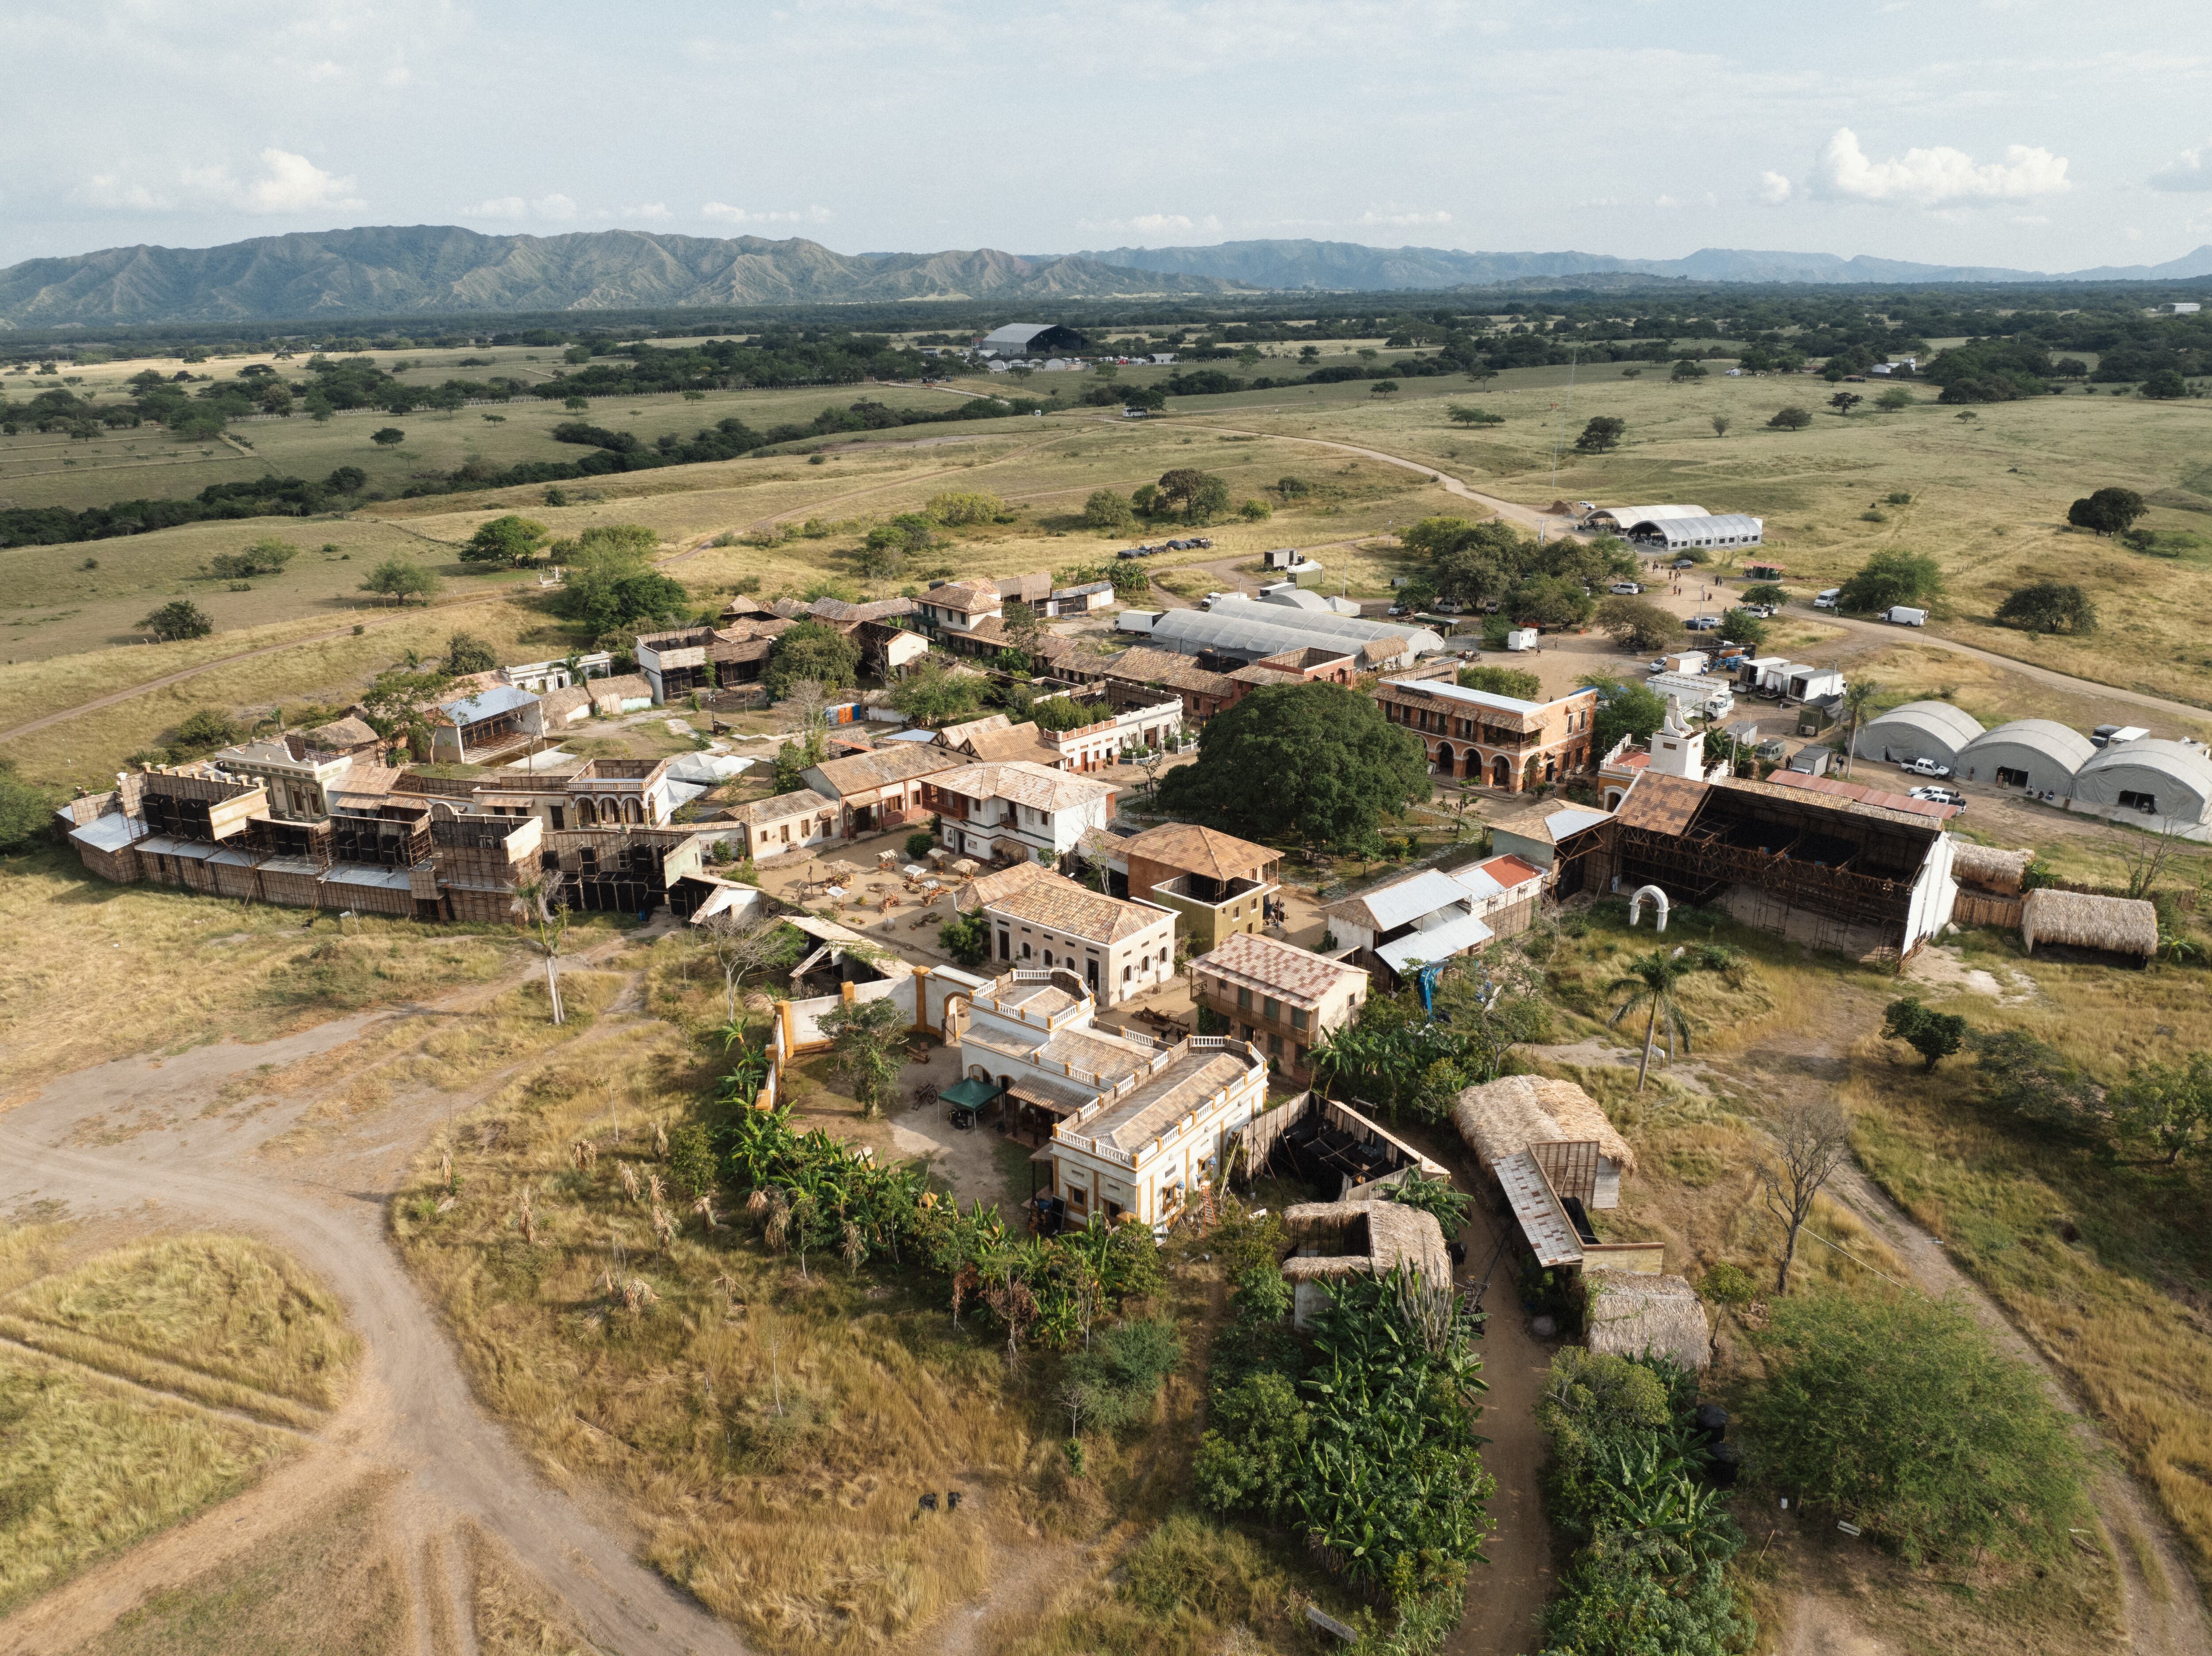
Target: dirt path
410,1413
1512,511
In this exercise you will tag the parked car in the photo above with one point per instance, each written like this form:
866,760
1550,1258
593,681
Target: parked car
1764,611
1827,600
1923,767
1686,563
1935,796
1626,589
1702,624
1203,543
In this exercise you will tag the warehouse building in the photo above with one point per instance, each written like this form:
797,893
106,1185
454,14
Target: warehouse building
1238,628
1919,730
2168,781
2039,755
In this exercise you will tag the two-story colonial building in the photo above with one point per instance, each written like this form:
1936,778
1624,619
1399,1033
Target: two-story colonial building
1498,740
1017,811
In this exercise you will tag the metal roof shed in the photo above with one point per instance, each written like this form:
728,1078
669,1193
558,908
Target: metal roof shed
2038,755
1918,730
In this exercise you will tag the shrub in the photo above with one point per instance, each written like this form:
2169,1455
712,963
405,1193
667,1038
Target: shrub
25,811
966,938
208,728
1903,1414
386,436
965,506
1934,1035
691,1158
2048,606
2017,1074
181,618
1892,578
1463,413
1790,419
919,845
1503,681
1105,509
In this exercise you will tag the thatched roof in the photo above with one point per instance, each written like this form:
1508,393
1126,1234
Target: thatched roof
2119,925
1394,1235
1505,1117
1990,867
1632,1315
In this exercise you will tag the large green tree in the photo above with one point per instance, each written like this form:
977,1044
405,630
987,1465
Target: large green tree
1892,578
400,578
1623,709
2108,511
1315,761
25,811
511,539
813,651
1636,623
179,618
2048,606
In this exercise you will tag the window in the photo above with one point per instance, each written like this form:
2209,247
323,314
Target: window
1274,1046
1271,1009
1026,951
1078,1200
1298,1018
1243,999
1126,973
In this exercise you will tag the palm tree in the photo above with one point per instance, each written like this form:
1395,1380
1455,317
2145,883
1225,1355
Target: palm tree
1652,983
1856,697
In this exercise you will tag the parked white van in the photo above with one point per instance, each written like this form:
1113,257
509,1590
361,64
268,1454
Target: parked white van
1827,600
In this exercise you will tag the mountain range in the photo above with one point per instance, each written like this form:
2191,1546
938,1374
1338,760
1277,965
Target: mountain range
1347,266
439,269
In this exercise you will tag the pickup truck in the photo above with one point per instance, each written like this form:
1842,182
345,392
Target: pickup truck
1923,767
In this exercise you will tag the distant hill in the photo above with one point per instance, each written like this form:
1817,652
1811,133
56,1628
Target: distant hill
1346,266
441,270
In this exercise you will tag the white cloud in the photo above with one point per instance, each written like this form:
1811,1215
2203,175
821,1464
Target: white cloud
1773,189
652,209
2189,172
555,206
1937,177
723,210
501,207
1402,219
1665,201
291,184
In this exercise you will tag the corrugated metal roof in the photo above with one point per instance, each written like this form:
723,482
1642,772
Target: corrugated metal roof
110,832
488,704
1236,606
1543,1222
1859,793
1402,901
1438,942
1952,726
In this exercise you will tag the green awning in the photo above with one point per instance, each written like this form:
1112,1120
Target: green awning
969,1095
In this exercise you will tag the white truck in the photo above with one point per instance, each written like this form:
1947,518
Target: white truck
1904,614
1827,600
1521,638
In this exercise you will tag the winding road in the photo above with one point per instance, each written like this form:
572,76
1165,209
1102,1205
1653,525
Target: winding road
410,1413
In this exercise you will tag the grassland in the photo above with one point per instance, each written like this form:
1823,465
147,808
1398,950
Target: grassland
328,1586
193,970
94,1457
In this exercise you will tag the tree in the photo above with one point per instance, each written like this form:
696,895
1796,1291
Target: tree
1466,413
1740,626
1104,509
1844,401
1893,399
1688,368
1383,388
467,653
1789,419
2048,606
25,811
386,436
511,539
1721,424
1858,695
1023,626
866,1046
1202,496
1892,578
742,945
545,917
1623,709
2165,383
1934,1035
2017,1074
2108,511
966,938
1315,759
1503,681
936,694
1904,1413
400,578
814,651
1651,983
965,506
2166,1108
1636,623
1812,1138
1766,591
1601,435
211,727
266,556
179,618
400,702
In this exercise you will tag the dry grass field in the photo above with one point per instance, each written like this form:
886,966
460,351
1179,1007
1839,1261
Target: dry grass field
130,1373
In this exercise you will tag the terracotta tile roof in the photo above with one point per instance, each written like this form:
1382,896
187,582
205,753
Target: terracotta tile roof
1077,910
841,614
898,761
989,888
1196,850
966,596
781,808
1260,673
1022,742
1032,588
1185,1083
1304,660
1275,967
1510,871
953,735
1663,804
1038,786
1146,665
343,735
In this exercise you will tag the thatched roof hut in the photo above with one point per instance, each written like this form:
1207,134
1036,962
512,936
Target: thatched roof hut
1505,1117
1629,1314
1990,867
2113,925
1364,1238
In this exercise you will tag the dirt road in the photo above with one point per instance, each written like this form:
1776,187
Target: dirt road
411,1412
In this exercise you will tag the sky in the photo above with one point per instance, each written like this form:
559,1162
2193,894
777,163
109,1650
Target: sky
2035,134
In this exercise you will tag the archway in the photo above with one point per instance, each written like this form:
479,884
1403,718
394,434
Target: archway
1446,759
632,811
586,816
1501,772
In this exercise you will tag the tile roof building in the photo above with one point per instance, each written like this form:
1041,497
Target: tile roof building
1217,884
787,823
1500,741
880,788
1280,998
1121,948
1016,811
